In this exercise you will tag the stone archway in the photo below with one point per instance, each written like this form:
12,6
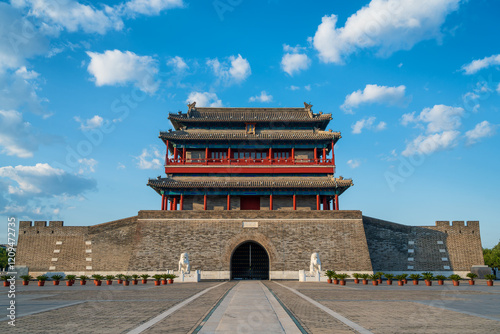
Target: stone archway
250,261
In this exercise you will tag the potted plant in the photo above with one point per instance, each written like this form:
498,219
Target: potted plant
365,278
70,279
489,279
26,279
41,279
415,278
428,277
342,278
440,279
83,279
389,277
97,279
356,278
330,274
374,279
157,278
171,278
401,279
126,279
57,278
472,276
405,280
5,280
456,279
144,278
379,275
164,279
109,279
135,277
119,277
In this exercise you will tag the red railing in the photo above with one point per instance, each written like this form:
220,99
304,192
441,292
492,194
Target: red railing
249,161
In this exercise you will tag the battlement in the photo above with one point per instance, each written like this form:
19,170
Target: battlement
40,223
472,224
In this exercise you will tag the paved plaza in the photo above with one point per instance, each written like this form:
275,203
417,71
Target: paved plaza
254,307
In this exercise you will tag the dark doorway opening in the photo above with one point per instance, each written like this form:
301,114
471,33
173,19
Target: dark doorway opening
249,202
250,261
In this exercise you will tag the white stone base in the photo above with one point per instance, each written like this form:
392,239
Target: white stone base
305,276
193,276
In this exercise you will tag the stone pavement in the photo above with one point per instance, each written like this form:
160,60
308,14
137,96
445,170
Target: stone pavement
377,309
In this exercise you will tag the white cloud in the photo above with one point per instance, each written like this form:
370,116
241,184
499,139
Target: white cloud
39,190
43,179
91,123
308,88
293,60
353,163
120,166
441,127
114,67
233,71
150,7
375,94
149,159
479,64
369,124
178,64
385,26
17,136
72,15
25,74
292,87
481,130
87,165
263,97
204,99
438,118
427,144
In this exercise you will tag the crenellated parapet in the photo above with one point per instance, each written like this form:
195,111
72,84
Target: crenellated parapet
458,226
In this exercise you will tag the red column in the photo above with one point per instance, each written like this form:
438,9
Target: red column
175,203
317,202
229,156
166,155
162,202
324,154
171,204
181,204
333,154
228,202
206,155
175,154
315,155
336,202
205,201
270,155
324,202
293,155
184,155
294,202
271,202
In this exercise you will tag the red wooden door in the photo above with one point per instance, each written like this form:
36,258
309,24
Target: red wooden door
249,202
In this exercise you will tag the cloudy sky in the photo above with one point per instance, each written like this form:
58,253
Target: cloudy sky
413,86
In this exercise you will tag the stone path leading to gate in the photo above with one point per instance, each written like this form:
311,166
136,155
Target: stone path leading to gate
249,308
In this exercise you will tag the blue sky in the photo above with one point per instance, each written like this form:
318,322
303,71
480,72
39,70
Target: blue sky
85,88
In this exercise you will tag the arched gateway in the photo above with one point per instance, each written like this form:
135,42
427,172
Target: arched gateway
250,261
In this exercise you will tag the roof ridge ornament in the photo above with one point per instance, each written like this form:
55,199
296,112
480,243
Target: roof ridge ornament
191,106
308,108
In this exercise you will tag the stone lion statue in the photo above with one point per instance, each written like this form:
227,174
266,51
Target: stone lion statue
184,265
315,265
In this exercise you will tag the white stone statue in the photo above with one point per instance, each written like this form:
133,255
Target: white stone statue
184,266
315,265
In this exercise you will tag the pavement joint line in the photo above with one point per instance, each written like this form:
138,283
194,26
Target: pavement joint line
205,319
456,310
290,314
171,310
46,310
334,314
287,323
